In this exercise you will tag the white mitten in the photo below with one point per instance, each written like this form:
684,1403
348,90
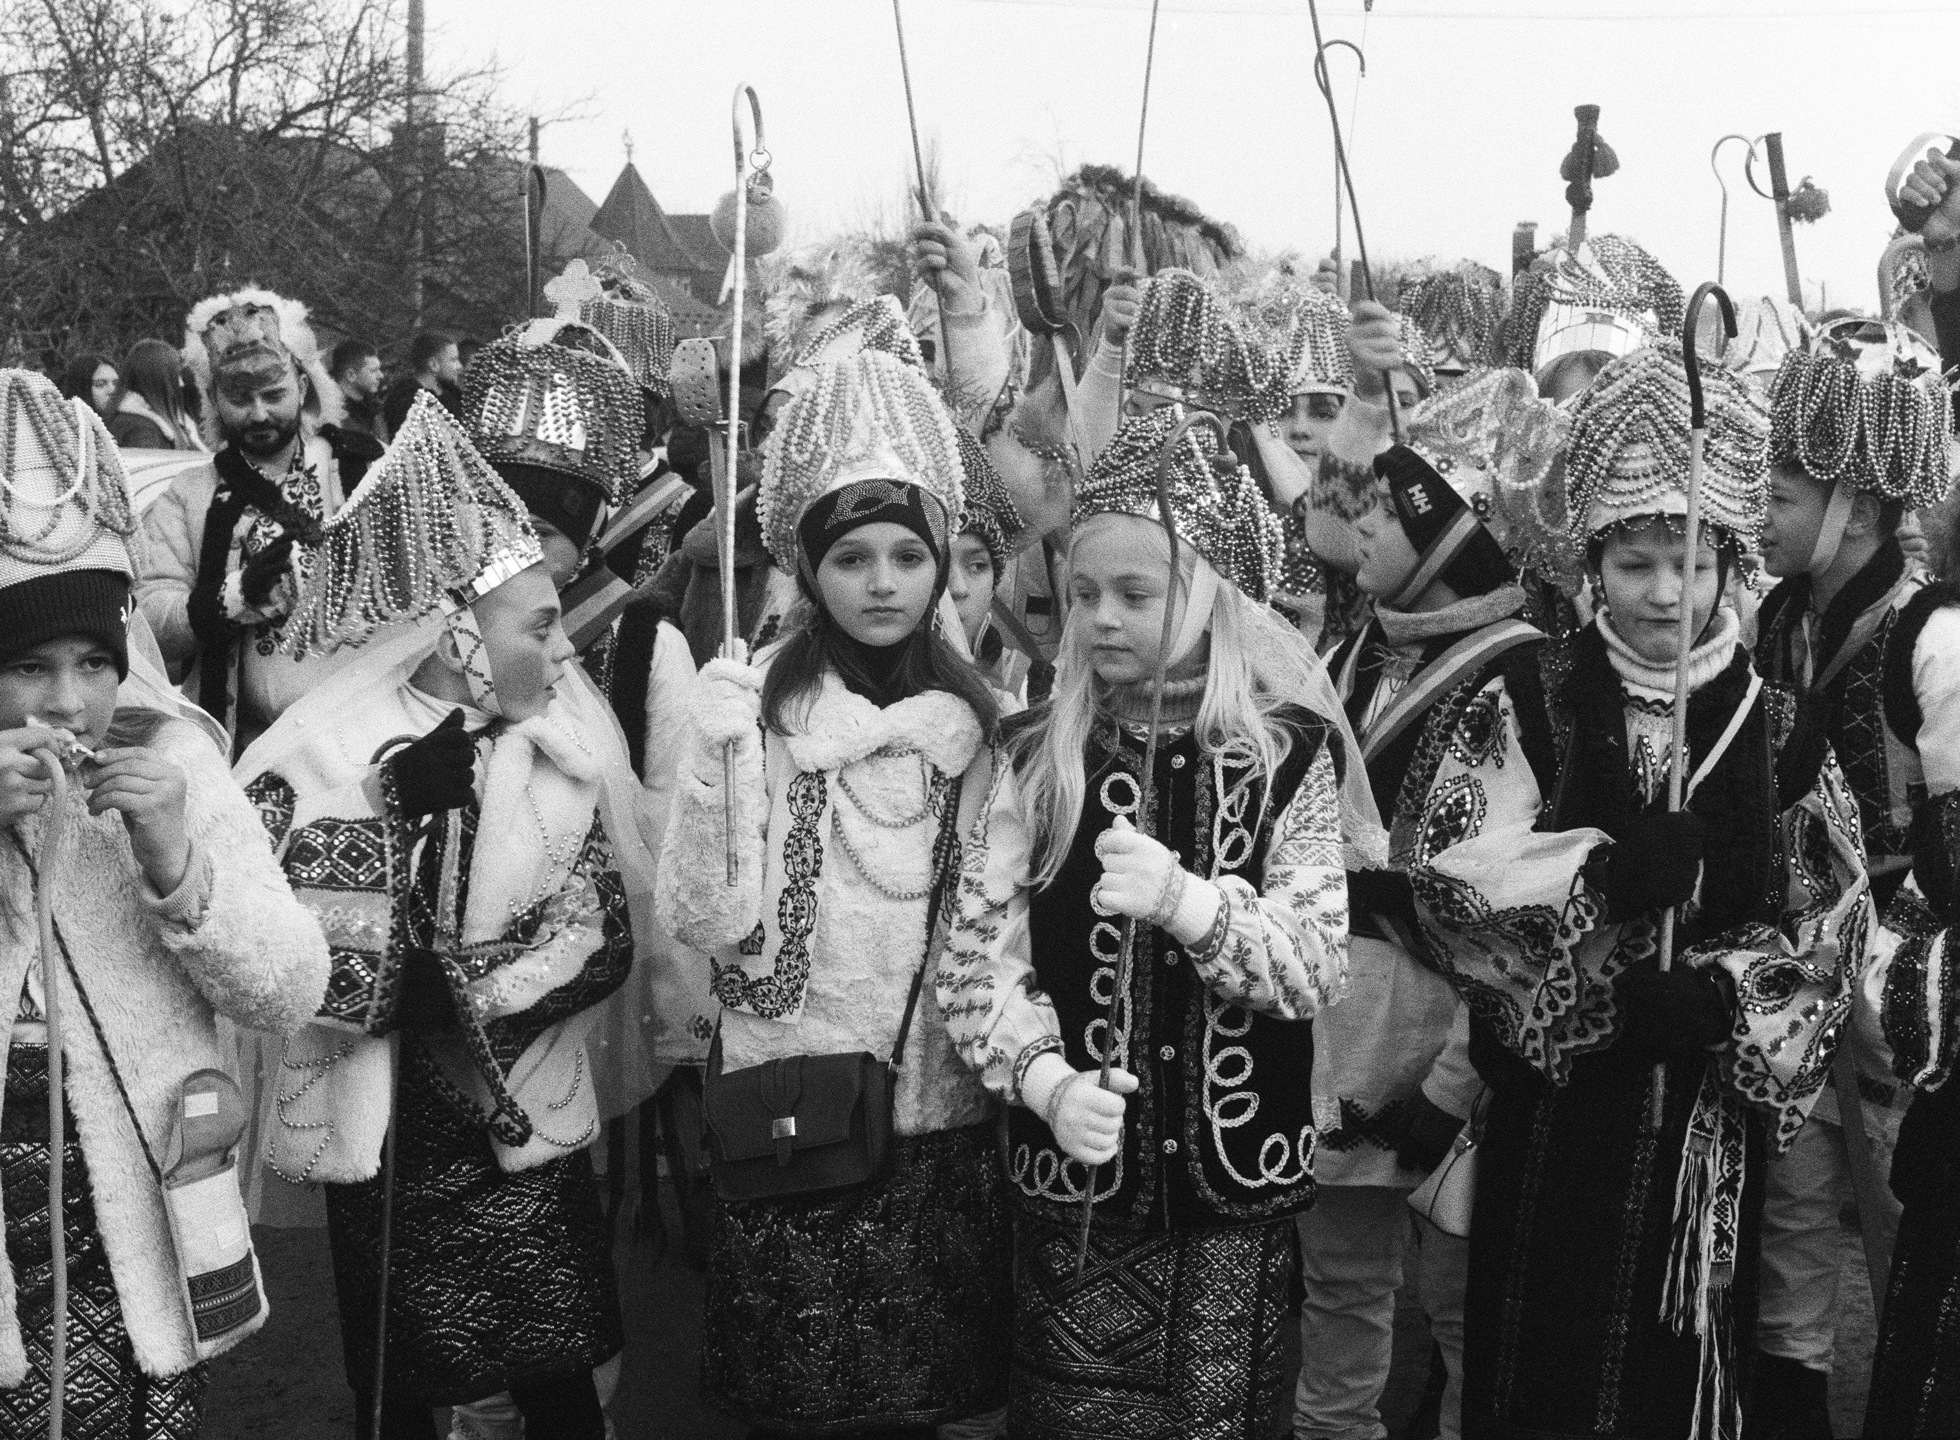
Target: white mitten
1087,1120
1140,877
728,702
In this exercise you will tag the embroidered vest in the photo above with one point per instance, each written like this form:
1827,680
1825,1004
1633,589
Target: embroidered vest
1221,1130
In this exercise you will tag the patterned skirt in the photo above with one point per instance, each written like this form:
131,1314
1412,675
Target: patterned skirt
106,1397
1915,1392
888,1306
494,1279
1177,1336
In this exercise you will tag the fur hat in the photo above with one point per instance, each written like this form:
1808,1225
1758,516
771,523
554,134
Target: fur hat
256,327
431,526
802,285
871,417
1228,522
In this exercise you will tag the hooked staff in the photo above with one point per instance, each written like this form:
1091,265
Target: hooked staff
926,208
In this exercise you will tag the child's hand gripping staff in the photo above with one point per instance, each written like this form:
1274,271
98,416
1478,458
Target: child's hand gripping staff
1129,847
1685,636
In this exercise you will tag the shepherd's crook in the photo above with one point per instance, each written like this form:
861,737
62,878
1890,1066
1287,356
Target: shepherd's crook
1722,231
1146,786
926,208
1325,82
1684,635
1345,174
725,501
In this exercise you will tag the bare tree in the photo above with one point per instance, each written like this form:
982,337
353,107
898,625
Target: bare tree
154,152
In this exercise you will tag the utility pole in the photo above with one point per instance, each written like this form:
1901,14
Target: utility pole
412,128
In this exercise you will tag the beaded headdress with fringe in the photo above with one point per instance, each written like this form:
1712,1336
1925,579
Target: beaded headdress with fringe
1283,310
1864,404
1460,310
1496,443
64,500
1610,298
1417,357
431,526
1225,520
556,394
990,510
1187,346
1628,454
608,294
869,417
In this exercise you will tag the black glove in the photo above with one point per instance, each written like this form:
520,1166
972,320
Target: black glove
1428,1131
437,772
1381,892
1653,864
1676,1013
1935,838
424,1005
265,570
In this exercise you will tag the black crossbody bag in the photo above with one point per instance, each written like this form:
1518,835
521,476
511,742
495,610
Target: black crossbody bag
809,1125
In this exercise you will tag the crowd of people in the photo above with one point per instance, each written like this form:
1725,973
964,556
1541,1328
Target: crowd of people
1117,805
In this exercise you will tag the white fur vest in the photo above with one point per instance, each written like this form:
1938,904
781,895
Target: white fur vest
816,944
155,969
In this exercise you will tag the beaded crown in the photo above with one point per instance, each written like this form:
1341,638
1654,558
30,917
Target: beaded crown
1496,443
1628,452
1459,309
609,295
64,501
869,417
1416,353
431,526
1865,405
1225,520
1279,308
1766,329
879,323
1610,297
989,508
555,394
1187,346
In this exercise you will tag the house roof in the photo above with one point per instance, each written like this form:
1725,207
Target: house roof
634,218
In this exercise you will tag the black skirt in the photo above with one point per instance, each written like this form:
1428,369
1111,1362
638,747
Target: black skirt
888,1306
1168,1335
106,1396
494,1279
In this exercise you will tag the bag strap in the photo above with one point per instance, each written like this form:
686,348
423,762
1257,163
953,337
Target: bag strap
942,867
95,1024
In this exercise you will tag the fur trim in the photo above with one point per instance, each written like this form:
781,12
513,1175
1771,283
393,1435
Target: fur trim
805,283
324,405
256,957
1901,703
841,728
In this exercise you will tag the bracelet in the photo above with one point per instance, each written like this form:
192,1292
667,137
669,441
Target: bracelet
1055,1100
1031,1052
1213,940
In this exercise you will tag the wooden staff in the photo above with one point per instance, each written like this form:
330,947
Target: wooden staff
44,874
1147,785
1343,287
1722,230
1345,173
1140,258
926,207
534,198
1779,186
1685,631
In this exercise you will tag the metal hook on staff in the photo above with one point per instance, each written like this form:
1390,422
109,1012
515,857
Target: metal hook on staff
927,210
751,169
1147,784
1344,174
1325,82
1722,232
1685,633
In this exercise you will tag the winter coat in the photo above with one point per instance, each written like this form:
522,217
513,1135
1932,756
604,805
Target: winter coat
158,970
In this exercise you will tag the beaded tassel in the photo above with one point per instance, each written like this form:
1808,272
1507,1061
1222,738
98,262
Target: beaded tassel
96,495
1460,310
1187,342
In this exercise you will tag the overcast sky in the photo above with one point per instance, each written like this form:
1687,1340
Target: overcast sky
1458,127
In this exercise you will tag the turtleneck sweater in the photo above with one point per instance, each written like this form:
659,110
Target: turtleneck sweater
1649,692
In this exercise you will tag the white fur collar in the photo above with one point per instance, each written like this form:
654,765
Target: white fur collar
841,728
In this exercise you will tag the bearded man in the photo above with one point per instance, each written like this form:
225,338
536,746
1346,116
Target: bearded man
223,552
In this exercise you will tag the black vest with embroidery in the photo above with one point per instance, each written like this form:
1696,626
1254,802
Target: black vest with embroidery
1221,1130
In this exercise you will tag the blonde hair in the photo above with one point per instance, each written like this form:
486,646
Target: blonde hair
1257,666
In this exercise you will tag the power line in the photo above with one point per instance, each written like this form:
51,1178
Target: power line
1390,11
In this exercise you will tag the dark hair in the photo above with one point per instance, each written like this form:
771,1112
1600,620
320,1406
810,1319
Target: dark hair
929,663
78,376
349,354
154,369
426,345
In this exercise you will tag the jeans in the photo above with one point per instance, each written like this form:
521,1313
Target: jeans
1353,1245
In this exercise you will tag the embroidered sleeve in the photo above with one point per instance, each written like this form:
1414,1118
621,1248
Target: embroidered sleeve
1282,951
1508,916
1796,984
997,1020
274,799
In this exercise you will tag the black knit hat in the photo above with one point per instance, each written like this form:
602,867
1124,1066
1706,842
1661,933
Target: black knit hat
66,602
569,504
1445,531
